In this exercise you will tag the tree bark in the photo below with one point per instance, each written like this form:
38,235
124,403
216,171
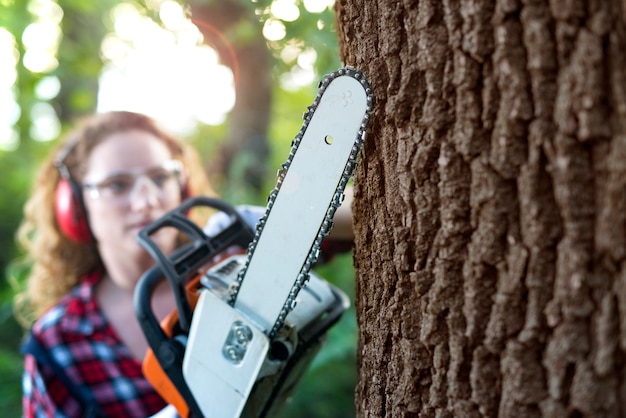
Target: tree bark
490,207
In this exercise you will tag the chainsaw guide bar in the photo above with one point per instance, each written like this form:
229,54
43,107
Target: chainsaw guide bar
300,210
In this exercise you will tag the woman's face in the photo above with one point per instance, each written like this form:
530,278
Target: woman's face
131,180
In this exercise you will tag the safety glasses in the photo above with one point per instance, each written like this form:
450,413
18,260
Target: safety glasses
118,188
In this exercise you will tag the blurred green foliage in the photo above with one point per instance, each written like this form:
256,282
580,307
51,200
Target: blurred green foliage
327,389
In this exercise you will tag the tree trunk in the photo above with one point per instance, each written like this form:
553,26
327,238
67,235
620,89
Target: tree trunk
490,207
235,32
83,29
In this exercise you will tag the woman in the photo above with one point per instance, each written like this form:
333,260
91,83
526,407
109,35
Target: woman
116,173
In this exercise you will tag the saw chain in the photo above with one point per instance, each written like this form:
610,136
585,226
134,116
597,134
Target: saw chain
335,202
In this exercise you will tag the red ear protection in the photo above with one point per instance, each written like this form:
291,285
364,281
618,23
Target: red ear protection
69,208
70,213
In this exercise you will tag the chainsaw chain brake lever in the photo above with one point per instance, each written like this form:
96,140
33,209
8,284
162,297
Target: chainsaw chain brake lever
187,259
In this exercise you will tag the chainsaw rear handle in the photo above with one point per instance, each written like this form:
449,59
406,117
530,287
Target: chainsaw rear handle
168,351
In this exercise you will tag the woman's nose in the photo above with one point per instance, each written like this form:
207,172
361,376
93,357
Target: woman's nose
144,194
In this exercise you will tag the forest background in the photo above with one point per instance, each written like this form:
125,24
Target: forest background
66,58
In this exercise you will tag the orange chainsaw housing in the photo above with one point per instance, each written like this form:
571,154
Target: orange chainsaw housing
152,369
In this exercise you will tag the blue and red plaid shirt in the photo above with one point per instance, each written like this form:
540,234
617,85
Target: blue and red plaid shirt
80,339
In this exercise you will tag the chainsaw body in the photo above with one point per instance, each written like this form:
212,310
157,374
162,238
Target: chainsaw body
267,370
191,368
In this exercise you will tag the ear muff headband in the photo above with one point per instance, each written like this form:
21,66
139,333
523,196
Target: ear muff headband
69,207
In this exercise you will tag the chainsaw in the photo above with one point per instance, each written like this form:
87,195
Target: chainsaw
250,312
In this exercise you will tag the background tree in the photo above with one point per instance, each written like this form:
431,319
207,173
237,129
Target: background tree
490,207
235,29
232,27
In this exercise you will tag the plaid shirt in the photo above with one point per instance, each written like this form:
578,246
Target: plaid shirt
80,339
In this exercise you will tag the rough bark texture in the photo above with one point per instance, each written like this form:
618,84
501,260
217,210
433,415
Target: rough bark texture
490,207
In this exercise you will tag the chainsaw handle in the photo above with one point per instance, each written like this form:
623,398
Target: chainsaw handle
168,352
177,267
143,311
